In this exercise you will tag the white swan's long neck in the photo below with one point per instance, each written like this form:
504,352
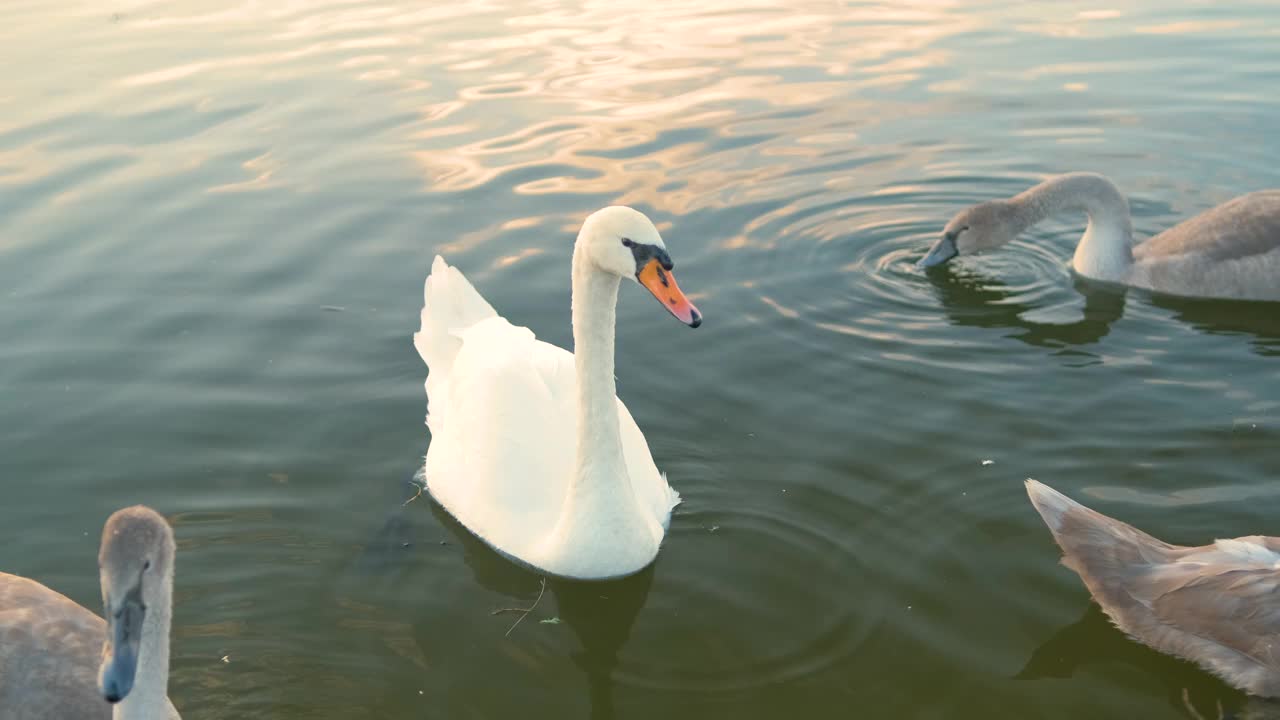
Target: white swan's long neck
604,529
595,300
1105,251
148,700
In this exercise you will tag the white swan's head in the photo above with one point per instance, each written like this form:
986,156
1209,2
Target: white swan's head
624,242
134,565
983,226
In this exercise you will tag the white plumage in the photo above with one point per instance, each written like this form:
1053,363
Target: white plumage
548,471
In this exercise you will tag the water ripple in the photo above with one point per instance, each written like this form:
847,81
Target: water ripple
185,187
785,645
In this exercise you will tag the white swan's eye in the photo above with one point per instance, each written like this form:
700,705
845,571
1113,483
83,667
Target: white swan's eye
628,242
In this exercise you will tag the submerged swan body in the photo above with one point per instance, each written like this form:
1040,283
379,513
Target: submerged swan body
530,448
1217,605
1231,251
60,661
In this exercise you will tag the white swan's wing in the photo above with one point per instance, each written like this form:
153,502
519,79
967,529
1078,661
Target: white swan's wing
502,446
650,485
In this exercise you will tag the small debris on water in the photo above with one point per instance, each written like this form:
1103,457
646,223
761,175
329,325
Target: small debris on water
281,478
550,621
226,659
333,308
988,462
715,528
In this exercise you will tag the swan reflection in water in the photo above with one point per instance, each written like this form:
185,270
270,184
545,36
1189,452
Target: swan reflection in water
976,300
1093,641
601,615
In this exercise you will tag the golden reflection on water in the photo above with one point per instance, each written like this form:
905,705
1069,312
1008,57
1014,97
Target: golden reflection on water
639,101
674,67
227,169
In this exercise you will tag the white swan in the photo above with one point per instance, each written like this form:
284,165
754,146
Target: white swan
58,660
1214,605
1230,251
530,448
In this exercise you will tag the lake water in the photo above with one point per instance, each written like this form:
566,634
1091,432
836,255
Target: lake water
215,222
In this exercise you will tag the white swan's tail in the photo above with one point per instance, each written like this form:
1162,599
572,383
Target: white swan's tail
450,304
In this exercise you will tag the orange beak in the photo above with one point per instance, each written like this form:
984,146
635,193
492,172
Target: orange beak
662,284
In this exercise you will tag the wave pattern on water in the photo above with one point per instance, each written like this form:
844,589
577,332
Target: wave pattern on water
216,218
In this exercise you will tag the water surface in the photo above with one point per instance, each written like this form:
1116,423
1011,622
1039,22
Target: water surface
215,221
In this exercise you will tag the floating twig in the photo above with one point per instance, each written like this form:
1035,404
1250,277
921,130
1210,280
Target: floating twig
525,611
415,497
1191,708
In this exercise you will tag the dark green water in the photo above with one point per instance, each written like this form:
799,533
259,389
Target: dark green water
215,221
